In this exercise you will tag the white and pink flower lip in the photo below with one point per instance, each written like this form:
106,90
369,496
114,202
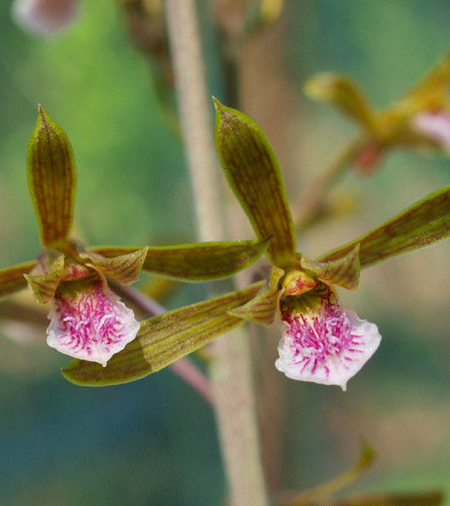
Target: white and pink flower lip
435,125
327,345
44,17
91,324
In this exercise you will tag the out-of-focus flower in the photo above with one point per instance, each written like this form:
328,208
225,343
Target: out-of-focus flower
324,342
419,119
434,125
44,17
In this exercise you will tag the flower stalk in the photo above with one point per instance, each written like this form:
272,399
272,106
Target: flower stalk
183,367
311,201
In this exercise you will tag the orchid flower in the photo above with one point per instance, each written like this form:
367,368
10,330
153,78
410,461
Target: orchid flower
44,17
88,321
419,119
321,340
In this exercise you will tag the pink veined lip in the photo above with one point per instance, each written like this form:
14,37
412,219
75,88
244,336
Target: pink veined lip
92,326
326,346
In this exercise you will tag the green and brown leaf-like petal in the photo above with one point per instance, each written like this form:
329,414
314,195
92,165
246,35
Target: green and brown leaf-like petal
51,179
194,262
44,285
163,340
125,269
343,271
254,175
12,278
262,309
422,224
344,93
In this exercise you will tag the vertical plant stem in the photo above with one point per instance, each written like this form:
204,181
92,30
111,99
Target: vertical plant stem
231,368
194,108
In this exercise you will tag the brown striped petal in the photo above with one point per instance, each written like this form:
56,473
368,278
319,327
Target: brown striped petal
44,286
262,309
51,179
254,175
163,340
422,224
125,269
342,271
12,279
195,262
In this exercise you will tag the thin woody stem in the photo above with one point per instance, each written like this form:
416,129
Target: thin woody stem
194,108
183,367
231,370
311,201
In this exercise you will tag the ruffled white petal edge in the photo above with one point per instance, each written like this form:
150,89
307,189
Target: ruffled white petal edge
94,334
338,369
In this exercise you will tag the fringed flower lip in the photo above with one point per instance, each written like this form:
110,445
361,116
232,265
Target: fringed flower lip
325,343
90,323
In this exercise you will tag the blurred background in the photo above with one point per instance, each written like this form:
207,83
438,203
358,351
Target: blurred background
153,442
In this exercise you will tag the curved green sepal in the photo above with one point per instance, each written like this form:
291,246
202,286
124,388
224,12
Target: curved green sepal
342,92
422,224
262,309
343,271
195,262
254,175
125,269
12,279
44,285
51,179
163,340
